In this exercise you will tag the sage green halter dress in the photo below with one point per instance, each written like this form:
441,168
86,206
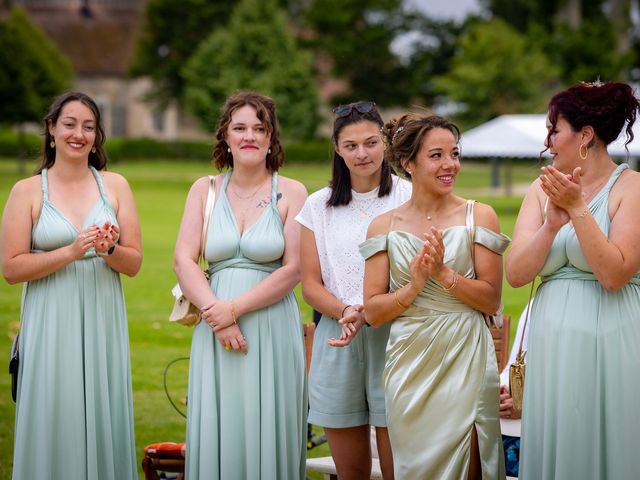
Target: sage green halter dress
74,414
582,395
441,374
247,414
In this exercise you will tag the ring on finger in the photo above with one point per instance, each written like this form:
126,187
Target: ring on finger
227,346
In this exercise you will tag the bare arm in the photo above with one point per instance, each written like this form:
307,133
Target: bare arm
483,293
190,276
613,260
318,297
18,263
127,255
532,233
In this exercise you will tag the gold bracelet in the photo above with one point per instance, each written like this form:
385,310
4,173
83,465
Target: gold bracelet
454,282
582,214
395,295
233,312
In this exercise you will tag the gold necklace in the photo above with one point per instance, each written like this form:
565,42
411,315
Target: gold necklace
588,197
233,189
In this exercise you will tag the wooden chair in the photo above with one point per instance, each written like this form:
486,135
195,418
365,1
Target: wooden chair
501,342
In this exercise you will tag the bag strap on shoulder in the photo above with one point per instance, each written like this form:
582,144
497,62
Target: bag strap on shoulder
208,207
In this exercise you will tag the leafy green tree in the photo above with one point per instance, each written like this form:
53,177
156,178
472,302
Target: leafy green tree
32,70
356,35
496,70
255,52
172,32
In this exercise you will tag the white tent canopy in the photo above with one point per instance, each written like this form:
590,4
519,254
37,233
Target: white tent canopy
522,136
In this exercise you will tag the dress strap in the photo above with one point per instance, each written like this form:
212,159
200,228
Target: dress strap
45,184
469,217
100,182
274,190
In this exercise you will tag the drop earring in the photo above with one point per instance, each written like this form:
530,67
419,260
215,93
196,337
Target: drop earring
269,152
52,144
93,150
228,149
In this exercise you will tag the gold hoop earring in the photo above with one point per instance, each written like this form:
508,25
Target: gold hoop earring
586,151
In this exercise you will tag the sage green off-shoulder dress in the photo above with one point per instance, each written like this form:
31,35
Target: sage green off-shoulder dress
247,414
74,414
441,375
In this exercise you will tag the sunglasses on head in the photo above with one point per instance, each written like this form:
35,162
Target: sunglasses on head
346,110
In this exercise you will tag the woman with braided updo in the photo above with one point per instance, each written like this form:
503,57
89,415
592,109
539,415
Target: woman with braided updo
581,219
441,376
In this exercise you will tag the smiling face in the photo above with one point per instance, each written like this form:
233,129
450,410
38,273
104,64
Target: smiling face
563,144
360,145
74,131
438,161
247,137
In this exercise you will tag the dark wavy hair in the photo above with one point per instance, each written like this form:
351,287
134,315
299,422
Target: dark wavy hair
265,109
606,107
405,136
340,176
99,159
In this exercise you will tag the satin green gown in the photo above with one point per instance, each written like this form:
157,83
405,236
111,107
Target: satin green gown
441,374
247,414
580,414
74,414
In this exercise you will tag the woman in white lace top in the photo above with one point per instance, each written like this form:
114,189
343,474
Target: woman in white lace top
345,391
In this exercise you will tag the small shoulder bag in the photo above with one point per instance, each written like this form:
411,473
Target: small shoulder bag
185,312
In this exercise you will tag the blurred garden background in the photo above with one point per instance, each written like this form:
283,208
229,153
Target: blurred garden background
160,70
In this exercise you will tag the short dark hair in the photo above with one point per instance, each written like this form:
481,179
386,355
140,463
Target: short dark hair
265,109
606,107
405,136
99,159
340,177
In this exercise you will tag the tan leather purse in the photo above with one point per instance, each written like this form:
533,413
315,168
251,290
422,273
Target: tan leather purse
185,312
517,368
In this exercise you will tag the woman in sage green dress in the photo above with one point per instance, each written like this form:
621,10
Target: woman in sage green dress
247,406
67,233
580,413
441,375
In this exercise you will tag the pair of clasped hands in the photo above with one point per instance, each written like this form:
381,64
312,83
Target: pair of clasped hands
100,238
429,262
565,195
221,317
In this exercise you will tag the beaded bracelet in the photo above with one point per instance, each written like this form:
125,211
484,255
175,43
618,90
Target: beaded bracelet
454,283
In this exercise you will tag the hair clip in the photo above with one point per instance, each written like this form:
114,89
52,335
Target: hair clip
395,134
595,83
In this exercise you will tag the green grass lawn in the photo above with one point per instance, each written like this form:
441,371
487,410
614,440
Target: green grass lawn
160,189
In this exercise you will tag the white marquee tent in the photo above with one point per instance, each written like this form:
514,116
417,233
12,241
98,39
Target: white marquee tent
522,136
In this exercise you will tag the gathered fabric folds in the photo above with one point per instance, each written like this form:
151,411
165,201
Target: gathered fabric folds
441,375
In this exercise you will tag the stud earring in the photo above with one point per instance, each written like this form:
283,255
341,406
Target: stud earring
228,149
93,150
269,152
52,144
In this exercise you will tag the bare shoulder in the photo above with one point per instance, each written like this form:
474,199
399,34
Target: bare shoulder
381,224
28,186
628,182
292,189
486,216
115,181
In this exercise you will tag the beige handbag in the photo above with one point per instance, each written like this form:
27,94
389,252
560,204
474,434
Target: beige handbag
517,368
184,311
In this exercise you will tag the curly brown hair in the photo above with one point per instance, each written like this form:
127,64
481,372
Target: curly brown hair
265,109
